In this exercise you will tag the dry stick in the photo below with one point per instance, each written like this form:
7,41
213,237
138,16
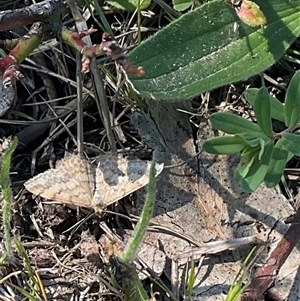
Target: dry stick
266,275
79,104
11,19
96,76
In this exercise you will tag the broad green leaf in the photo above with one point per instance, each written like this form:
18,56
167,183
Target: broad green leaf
277,108
292,101
279,159
262,110
129,5
181,5
291,143
202,50
225,145
257,170
233,124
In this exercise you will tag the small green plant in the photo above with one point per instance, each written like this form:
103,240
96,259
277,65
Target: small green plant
191,281
264,152
7,200
241,281
32,287
132,286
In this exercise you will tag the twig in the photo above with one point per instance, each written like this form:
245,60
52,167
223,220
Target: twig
97,78
266,275
16,18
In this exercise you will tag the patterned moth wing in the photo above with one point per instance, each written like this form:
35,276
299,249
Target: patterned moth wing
71,182
117,177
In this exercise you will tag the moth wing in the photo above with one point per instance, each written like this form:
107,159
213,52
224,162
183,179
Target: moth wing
68,183
80,170
117,177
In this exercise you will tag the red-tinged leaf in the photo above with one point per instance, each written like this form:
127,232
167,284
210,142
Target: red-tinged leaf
250,13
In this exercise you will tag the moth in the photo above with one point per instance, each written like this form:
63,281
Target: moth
76,181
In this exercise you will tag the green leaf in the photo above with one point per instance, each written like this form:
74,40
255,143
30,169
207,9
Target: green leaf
129,5
202,50
225,145
248,157
292,101
262,110
249,149
277,108
253,140
233,124
291,142
279,159
263,145
257,169
181,5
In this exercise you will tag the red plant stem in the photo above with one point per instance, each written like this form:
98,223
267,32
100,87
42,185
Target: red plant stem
108,47
10,63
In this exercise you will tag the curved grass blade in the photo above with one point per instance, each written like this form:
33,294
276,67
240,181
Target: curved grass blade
7,198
